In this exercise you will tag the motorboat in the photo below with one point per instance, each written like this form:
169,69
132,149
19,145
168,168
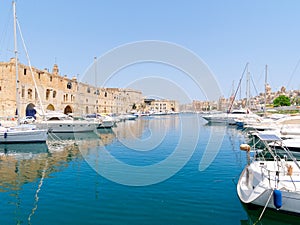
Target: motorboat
287,124
57,122
230,117
107,122
271,179
103,121
22,134
124,117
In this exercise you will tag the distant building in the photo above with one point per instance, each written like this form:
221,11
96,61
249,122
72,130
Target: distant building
162,105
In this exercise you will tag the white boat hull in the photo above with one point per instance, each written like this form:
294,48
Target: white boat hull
67,127
256,188
228,118
23,136
106,124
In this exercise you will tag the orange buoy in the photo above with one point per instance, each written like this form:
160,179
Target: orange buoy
245,147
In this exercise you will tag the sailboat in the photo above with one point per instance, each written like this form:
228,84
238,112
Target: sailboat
20,133
272,173
232,117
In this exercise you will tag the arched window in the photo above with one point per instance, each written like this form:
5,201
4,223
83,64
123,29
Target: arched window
54,94
88,90
69,85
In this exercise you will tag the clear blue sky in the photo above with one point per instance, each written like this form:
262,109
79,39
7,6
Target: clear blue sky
224,34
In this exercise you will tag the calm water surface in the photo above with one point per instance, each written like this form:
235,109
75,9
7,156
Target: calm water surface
141,172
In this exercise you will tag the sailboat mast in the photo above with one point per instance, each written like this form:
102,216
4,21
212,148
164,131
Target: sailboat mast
16,60
248,89
266,77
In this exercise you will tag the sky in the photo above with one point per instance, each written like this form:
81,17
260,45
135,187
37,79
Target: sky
224,35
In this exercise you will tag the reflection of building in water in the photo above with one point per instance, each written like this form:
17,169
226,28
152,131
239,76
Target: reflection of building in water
17,170
142,128
20,164
106,136
20,168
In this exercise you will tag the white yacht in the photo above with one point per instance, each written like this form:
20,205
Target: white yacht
229,118
272,178
101,121
57,122
286,125
22,134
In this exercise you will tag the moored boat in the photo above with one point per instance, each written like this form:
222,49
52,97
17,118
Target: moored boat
20,133
272,178
57,122
229,118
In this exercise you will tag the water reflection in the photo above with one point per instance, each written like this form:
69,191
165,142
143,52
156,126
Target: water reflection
24,163
19,166
270,217
144,127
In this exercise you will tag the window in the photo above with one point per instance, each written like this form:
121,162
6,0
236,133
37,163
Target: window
88,90
0,88
25,71
54,94
47,94
105,94
39,75
29,93
69,85
50,78
23,92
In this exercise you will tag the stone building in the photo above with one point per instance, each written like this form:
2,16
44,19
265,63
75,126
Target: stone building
163,105
59,93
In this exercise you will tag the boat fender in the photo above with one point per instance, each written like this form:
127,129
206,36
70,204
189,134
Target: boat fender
5,135
277,197
245,147
289,170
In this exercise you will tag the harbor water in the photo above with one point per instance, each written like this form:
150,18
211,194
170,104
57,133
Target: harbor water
172,169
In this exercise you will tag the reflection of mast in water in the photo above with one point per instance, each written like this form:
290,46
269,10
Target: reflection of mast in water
36,197
18,199
231,136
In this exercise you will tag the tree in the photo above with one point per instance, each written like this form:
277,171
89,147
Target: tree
282,100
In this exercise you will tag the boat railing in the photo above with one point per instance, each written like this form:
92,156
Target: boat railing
275,177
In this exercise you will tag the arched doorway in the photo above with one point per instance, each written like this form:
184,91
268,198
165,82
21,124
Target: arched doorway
68,110
30,111
50,107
